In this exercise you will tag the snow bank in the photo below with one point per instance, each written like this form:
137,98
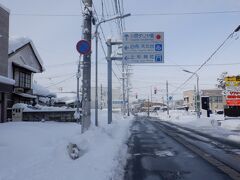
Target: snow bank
215,125
231,124
37,151
30,108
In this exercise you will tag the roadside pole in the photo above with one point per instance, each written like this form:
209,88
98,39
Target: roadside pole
109,62
128,89
167,99
123,87
86,84
78,96
148,107
101,106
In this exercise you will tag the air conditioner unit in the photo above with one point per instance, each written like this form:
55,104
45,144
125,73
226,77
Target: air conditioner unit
18,90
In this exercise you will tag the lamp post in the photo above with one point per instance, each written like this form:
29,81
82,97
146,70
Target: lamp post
96,66
198,95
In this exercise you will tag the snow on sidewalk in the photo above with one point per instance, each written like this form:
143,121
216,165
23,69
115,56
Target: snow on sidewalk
38,151
214,125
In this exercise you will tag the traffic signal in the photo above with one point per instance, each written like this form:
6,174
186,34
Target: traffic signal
155,91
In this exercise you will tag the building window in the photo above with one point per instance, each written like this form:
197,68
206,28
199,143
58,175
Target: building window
216,99
24,80
186,99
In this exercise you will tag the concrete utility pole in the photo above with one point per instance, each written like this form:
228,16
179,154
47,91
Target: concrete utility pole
86,84
128,89
167,99
198,93
109,62
148,107
78,96
101,106
123,87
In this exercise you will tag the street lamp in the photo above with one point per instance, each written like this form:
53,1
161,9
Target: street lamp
96,54
198,96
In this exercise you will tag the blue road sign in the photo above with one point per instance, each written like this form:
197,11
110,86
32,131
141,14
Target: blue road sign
158,47
158,58
143,47
83,47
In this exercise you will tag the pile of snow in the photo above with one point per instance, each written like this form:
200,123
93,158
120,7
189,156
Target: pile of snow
36,150
215,125
22,106
6,80
231,124
37,107
42,91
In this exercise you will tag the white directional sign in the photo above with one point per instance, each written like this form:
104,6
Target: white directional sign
143,47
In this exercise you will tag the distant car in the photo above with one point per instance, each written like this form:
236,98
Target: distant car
219,111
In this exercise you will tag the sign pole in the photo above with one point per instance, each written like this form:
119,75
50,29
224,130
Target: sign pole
167,99
109,62
78,97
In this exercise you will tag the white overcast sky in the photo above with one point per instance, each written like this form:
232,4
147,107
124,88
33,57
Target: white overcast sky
189,40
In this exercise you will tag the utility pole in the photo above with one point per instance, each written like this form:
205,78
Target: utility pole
101,106
151,93
123,87
109,62
128,89
78,96
197,99
167,99
86,84
148,107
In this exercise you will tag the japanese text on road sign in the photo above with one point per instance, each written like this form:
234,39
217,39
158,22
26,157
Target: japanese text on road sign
143,47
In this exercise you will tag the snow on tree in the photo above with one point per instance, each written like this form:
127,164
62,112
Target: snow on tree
221,83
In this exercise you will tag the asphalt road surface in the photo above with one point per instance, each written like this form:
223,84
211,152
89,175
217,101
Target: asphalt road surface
154,155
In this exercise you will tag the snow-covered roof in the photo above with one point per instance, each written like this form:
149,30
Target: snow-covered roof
5,8
26,95
42,91
6,80
16,43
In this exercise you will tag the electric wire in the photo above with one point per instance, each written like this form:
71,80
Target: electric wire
205,62
102,42
136,14
64,80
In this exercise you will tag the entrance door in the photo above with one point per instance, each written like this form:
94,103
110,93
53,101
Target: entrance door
1,107
1,118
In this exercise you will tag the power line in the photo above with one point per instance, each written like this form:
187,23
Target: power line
57,76
210,57
187,13
188,65
61,81
136,14
102,42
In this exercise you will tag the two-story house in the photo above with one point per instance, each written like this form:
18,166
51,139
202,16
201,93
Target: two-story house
6,84
23,62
